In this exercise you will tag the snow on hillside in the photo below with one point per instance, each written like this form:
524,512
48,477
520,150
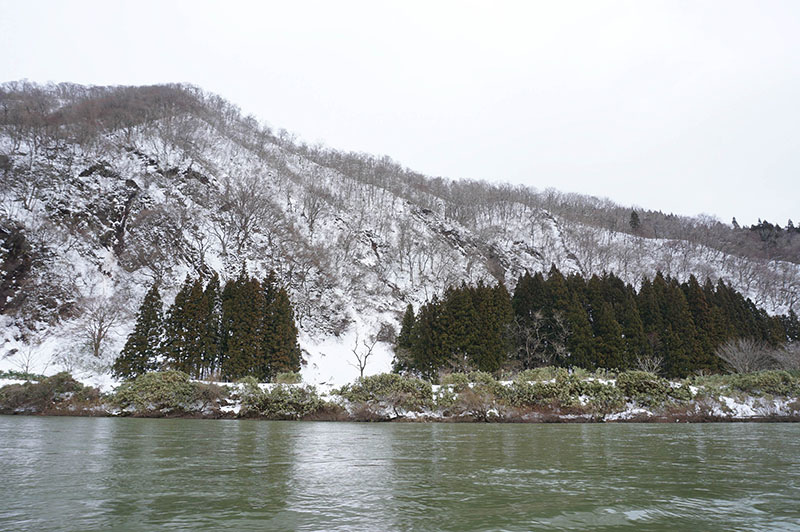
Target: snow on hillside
103,218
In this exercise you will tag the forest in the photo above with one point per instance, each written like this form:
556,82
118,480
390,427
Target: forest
665,327
245,328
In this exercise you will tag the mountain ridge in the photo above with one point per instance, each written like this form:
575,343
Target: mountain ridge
109,189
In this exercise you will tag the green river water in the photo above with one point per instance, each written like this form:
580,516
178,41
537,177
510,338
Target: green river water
171,474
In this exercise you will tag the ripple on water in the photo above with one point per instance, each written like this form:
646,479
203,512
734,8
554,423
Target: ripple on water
125,474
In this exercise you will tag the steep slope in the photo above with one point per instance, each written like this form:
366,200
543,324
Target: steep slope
106,190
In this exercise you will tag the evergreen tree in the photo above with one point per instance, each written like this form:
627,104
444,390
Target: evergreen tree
279,332
608,337
580,342
702,316
428,341
634,222
175,346
243,308
493,315
679,336
210,341
403,344
196,310
141,350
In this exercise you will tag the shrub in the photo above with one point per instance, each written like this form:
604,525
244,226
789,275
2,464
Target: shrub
209,395
161,390
284,402
21,375
390,390
645,388
481,378
479,403
43,395
288,377
681,392
774,382
600,396
545,373
248,386
458,381
523,393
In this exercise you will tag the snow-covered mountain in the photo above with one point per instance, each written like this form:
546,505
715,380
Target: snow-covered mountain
106,190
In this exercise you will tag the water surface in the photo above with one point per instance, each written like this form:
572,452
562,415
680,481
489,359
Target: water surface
159,474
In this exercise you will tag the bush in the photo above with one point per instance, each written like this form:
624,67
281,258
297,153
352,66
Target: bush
600,396
283,402
481,378
457,381
288,377
645,388
390,390
479,403
45,394
161,390
21,375
545,373
209,395
774,382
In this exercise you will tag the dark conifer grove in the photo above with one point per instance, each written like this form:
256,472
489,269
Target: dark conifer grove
245,328
599,322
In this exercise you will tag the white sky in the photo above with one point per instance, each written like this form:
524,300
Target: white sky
686,107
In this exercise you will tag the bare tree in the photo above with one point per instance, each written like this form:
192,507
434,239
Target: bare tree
25,359
313,204
541,340
745,355
100,315
651,364
363,356
245,206
788,357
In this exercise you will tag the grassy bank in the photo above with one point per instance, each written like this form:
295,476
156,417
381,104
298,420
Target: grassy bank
540,395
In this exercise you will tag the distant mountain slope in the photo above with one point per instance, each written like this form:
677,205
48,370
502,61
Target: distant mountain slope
106,190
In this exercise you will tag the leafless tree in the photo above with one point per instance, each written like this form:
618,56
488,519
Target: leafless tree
313,204
362,356
24,359
651,364
788,357
245,206
99,316
541,340
745,355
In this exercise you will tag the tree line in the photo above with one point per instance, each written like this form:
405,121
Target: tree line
245,327
601,322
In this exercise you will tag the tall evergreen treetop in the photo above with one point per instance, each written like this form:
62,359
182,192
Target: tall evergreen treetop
142,348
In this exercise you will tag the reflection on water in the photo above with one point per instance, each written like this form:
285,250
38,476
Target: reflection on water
140,474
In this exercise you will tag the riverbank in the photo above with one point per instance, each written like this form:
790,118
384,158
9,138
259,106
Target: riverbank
544,395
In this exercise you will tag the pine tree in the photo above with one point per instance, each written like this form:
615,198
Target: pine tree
175,341
457,320
279,332
403,344
142,348
704,325
634,222
210,341
580,342
428,341
196,310
489,340
243,308
608,337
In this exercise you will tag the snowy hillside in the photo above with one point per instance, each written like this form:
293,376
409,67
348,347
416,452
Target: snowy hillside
105,191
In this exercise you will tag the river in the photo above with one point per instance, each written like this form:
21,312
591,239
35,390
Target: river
113,474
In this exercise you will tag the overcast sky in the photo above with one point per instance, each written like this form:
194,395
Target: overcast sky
687,107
